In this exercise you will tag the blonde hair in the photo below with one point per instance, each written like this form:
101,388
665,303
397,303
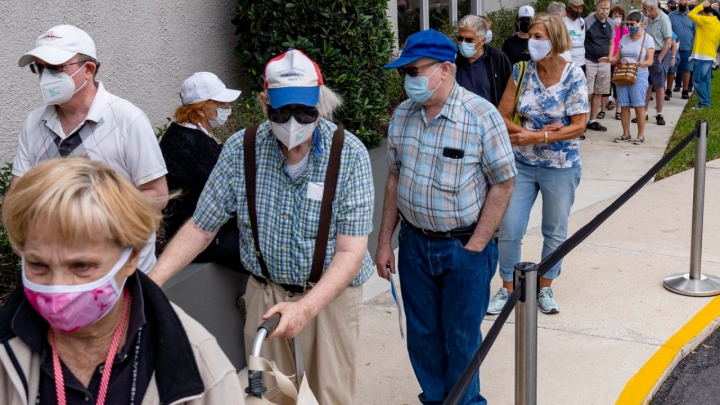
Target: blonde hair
191,112
81,199
557,32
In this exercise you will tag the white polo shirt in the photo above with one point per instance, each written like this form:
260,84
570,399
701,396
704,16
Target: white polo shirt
114,131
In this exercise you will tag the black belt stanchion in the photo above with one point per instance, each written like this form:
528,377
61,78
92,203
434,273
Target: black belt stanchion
526,318
695,283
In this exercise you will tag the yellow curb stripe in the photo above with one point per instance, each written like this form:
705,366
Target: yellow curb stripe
640,386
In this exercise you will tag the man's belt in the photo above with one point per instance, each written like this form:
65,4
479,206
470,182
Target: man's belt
451,234
295,289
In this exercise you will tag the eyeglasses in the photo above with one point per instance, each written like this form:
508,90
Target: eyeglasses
303,115
413,71
38,68
466,39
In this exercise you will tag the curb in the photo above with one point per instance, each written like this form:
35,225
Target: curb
643,386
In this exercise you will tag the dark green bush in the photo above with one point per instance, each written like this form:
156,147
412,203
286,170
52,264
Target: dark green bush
350,41
9,262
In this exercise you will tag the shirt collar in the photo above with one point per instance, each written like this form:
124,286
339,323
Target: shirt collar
97,108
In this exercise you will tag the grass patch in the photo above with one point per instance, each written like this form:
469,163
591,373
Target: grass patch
686,158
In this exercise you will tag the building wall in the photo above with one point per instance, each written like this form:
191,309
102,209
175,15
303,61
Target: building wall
146,50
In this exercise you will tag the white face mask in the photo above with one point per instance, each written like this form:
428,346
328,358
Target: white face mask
539,48
58,88
488,36
222,116
617,21
292,133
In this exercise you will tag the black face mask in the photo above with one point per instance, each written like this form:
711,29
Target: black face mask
672,8
682,8
572,13
524,27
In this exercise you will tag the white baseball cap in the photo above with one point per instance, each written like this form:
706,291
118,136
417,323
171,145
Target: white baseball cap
203,86
526,12
59,44
293,78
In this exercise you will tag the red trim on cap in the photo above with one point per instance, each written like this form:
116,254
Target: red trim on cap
282,55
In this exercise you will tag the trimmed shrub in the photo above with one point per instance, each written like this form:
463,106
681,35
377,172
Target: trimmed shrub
350,41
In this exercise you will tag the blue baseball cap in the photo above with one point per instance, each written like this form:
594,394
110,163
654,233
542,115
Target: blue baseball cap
425,44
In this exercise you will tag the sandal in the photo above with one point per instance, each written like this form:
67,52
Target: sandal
618,116
601,115
638,141
610,105
622,139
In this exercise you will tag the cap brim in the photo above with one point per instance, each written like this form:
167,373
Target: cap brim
50,55
294,95
402,61
227,96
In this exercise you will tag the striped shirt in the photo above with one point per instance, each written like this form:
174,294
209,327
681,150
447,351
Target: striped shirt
438,192
288,210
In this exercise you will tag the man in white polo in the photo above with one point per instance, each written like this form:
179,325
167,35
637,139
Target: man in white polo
80,118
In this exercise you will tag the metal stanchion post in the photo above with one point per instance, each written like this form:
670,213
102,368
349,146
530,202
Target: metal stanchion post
526,278
696,284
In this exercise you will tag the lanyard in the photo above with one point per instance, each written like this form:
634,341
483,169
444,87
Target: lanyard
107,369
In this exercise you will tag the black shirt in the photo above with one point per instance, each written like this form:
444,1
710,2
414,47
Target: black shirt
32,329
516,49
474,76
598,36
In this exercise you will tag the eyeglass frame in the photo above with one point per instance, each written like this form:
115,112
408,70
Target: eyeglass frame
53,68
406,71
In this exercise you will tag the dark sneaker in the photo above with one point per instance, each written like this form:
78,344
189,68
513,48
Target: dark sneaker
660,120
685,95
582,137
595,126
620,139
668,94
634,120
677,89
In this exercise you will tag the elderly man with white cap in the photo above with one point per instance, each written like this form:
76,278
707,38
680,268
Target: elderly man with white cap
80,118
191,152
308,263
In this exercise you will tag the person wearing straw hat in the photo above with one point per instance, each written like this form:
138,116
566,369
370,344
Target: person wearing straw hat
292,156
451,177
191,152
81,118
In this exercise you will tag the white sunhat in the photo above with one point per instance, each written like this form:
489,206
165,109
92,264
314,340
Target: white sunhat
59,44
203,86
526,12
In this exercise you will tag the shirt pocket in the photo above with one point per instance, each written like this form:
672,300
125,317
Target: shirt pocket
308,218
448,173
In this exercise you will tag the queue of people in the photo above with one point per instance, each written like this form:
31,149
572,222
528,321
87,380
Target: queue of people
460,170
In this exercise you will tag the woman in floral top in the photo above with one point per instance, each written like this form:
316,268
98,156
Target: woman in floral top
552,106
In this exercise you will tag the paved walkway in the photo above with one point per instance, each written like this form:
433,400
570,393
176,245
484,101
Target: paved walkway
615,313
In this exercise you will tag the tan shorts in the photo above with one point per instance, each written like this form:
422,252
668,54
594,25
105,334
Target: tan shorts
329,342
598,77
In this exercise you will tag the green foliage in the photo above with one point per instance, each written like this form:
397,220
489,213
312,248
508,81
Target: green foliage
350,41
160,131
9,262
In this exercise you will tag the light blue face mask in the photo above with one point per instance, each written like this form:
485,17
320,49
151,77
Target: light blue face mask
488,36
416,88
467,50
633,30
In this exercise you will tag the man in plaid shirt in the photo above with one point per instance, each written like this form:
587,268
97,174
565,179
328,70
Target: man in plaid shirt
292,155
451,177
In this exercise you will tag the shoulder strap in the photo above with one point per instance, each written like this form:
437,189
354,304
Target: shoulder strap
331,178
522,70
250,174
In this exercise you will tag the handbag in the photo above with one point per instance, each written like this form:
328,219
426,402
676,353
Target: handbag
522,70
626,73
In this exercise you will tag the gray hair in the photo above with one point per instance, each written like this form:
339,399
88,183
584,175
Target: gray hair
556,8
475,23
650,3
328,102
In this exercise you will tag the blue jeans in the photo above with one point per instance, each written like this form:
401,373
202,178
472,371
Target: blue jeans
446,291
702,71
557,187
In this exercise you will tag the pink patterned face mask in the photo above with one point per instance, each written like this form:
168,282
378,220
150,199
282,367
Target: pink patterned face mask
72,307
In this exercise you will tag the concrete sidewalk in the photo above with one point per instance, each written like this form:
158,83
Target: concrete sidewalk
615,313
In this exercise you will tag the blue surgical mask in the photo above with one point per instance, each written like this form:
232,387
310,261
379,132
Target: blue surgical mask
416,88
467,50
488,36
633,30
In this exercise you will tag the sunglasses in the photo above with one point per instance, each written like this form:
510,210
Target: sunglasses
38,68
466,39
303,115
413,71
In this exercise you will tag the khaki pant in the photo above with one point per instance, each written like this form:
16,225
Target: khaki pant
329,342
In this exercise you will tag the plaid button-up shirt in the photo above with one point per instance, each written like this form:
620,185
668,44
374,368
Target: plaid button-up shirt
438,192
288,210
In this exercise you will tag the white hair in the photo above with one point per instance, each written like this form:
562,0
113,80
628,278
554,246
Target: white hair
556,8
650,3
328,102
475,23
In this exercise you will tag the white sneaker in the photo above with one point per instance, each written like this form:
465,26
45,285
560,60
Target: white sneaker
546,302
498,302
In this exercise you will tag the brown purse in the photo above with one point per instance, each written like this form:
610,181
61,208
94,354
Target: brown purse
626,73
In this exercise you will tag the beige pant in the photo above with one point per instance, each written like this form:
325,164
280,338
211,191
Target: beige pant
329,342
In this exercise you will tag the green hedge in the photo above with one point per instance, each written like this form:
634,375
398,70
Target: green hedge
349,40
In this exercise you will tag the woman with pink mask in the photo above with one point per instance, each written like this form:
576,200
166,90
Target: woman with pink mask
617,14
86,326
